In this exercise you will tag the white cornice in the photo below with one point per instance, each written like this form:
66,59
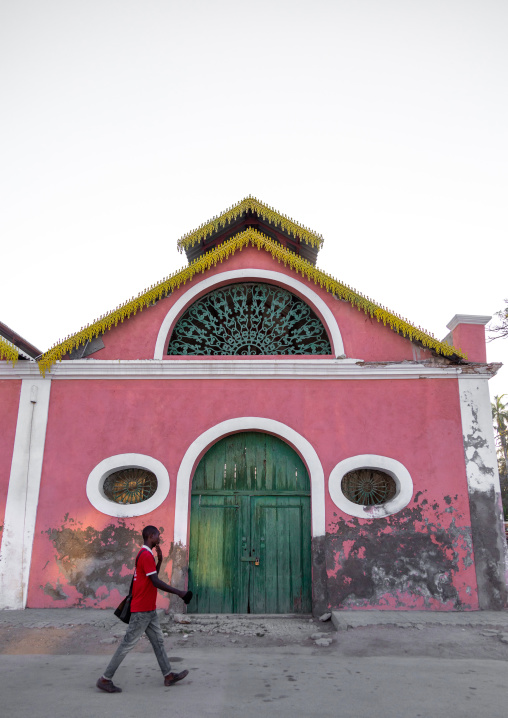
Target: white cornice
318,369
481,319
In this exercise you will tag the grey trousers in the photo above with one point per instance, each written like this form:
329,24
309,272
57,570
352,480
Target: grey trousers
141,622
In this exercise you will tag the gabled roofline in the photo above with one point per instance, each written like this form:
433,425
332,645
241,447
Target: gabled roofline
24,347
256,239
8,351
269,214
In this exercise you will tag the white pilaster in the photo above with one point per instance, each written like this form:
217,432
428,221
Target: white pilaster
478,435
23,492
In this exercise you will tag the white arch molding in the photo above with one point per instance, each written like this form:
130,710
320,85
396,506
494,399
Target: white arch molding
248,423
278,278
99,500
392,467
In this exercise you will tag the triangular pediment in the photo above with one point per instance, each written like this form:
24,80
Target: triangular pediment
221,254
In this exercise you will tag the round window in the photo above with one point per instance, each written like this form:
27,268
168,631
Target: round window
130,486
368,487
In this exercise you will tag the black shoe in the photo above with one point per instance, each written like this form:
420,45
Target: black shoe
107,686
173,678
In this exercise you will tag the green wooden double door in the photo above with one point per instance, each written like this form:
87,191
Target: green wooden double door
250,534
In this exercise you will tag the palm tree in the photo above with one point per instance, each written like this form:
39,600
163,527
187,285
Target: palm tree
500,417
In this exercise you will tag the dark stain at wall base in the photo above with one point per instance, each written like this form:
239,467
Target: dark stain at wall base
90,559
489,549
401,554
319,577
178,554
56,593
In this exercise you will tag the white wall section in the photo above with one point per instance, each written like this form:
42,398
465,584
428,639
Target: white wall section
23,493
283,280
248,423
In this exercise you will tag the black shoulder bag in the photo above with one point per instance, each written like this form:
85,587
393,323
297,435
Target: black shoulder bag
123,612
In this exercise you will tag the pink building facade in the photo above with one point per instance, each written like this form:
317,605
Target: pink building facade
384,399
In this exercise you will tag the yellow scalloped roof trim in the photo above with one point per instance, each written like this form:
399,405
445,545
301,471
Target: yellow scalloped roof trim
267,213
221,253
8,351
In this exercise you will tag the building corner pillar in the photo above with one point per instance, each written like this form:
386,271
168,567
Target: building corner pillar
487,527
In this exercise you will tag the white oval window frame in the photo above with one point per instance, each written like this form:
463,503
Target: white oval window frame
393,468
99,500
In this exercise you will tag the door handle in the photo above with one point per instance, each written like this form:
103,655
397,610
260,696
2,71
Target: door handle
250,558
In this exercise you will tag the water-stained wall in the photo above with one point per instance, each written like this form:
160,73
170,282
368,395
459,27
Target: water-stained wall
420,558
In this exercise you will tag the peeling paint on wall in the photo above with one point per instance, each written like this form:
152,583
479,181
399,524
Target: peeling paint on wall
409,560
478,452
319,577
179,557
92,562
55,592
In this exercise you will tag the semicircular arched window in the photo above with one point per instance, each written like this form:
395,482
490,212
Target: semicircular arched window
248,319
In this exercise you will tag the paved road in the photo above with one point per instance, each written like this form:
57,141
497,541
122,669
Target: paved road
298,679
233,683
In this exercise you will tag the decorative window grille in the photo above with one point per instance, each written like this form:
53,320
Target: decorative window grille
368,487
130,486
247,319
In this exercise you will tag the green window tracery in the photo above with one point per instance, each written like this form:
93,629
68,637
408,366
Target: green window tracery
249,319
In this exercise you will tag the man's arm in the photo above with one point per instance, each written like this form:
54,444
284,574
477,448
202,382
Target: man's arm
165,586
186,595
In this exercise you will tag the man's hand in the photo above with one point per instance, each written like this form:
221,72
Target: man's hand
158,552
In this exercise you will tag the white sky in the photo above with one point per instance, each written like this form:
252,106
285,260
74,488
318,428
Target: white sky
381,124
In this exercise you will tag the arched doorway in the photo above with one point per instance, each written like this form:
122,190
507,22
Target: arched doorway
250,533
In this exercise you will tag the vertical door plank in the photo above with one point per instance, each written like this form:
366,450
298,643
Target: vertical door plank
306,555
244,542
295,557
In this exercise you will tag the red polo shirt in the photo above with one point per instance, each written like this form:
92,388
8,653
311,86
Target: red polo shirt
144,593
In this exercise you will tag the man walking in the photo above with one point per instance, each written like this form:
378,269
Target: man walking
144,617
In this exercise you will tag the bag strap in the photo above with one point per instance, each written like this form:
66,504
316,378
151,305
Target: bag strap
135,566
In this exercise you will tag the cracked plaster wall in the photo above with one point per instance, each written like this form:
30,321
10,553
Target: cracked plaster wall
420,558
484,493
